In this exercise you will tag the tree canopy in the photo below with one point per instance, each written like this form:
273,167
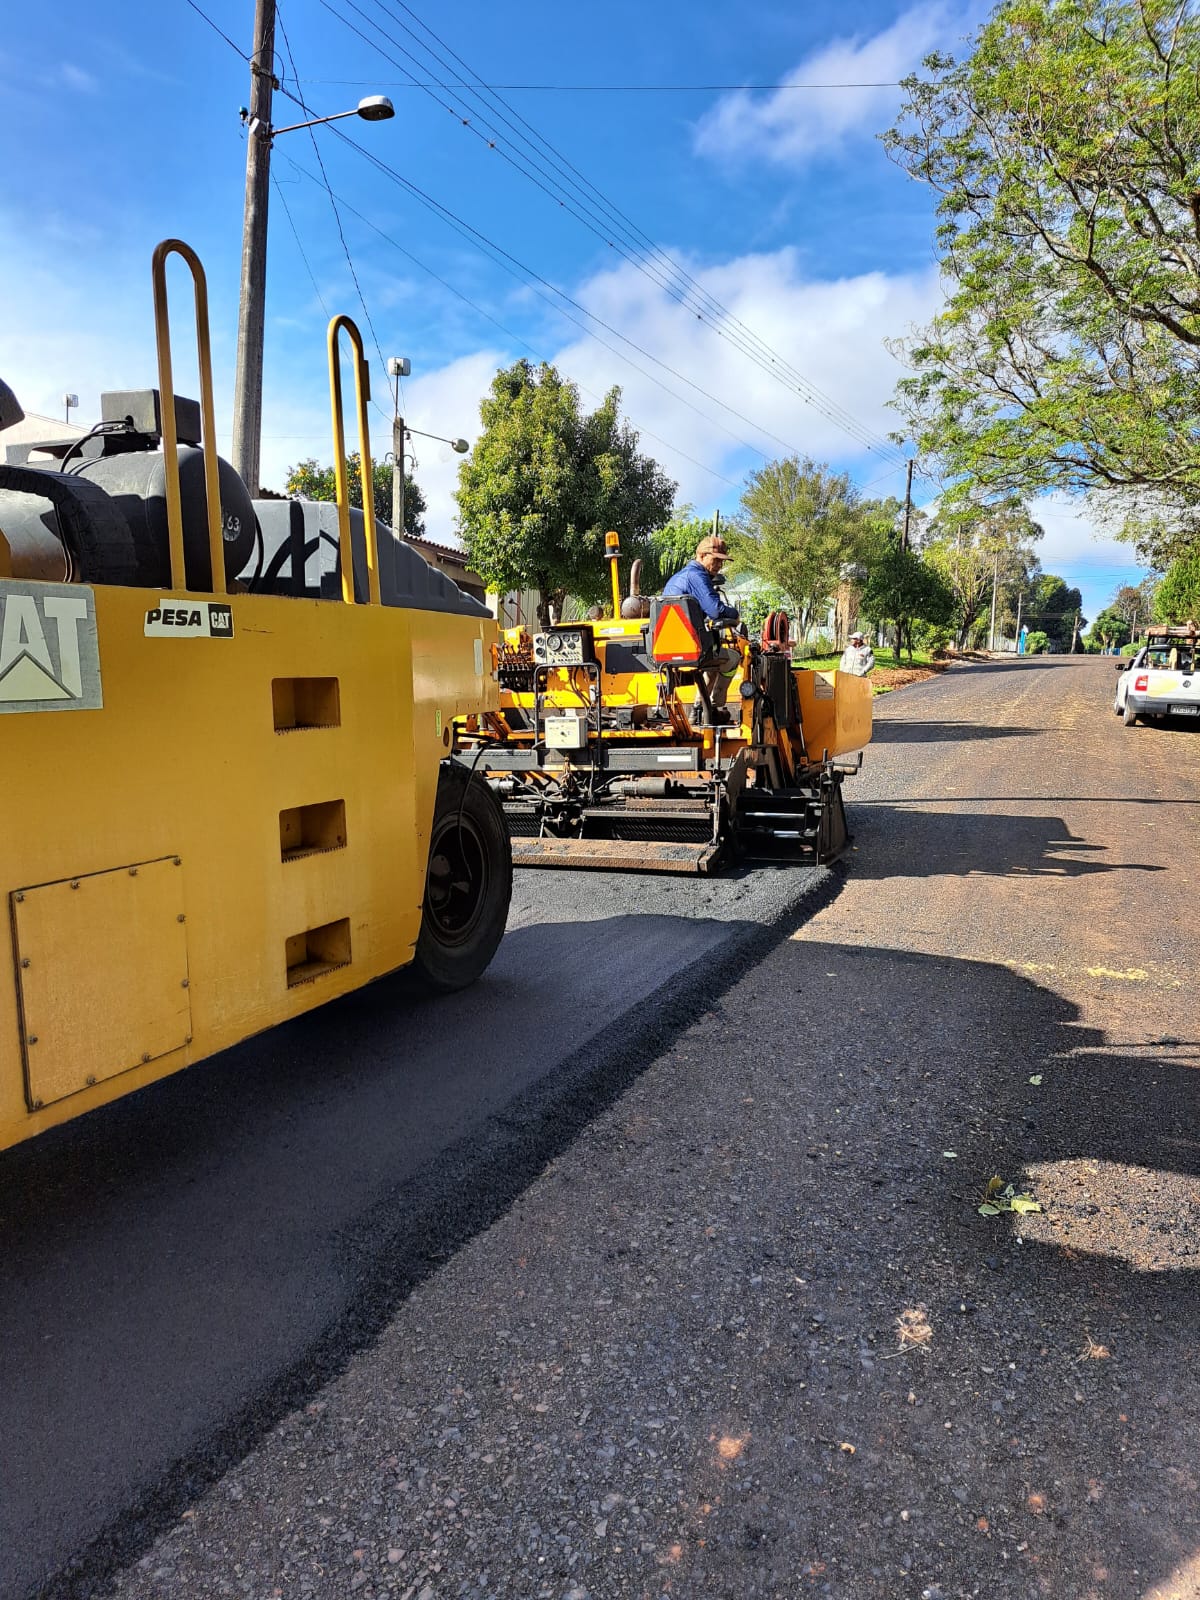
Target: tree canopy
546,480
1110,628
974,544
1065,150
1177,598
902,589
800,525
314,482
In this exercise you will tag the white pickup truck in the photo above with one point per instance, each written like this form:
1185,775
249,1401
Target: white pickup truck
1163,679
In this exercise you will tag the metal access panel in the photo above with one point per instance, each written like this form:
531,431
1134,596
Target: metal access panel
103,975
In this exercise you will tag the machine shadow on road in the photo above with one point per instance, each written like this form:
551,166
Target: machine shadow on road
909,841
1052,1409
894,731
204,1255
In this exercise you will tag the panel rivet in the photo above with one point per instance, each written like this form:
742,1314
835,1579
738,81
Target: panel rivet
24,961
188,1040
32,1038
37,1105
75,883
181,917
133,872
19,898
146,1056
177,862
184,984
90,1080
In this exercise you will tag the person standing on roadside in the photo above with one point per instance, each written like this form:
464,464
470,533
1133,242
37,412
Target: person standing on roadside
858,657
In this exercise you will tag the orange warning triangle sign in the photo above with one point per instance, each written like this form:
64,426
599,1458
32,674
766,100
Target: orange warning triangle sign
675,639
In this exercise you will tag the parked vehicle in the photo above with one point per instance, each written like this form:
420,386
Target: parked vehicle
1162,680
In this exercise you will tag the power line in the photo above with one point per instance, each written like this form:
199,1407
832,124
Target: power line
204,14
609,88
647,254
312,133
404,251
564,166
635,246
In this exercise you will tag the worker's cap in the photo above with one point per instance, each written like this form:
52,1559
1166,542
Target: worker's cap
854,636
714,545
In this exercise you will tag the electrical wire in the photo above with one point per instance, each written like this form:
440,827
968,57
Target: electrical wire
524,343
312,133
636,246
205,16
550,292
609,88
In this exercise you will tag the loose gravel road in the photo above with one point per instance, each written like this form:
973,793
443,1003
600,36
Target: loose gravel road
656,1268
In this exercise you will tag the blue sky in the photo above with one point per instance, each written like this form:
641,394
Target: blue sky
780,204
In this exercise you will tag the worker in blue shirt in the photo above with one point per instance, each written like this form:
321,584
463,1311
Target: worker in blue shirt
698,579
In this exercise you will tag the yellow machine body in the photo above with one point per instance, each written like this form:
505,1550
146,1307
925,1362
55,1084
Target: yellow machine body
217,807
238,834
605,754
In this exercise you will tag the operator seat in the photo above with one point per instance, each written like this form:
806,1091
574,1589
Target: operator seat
698,622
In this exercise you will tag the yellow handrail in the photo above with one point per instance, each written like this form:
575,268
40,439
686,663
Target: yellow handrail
208,434
362,389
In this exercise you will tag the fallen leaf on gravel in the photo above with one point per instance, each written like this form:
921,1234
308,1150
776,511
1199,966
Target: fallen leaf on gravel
1036,1503
1036,1079
848,1448
1092,1351
950,1155
913,1329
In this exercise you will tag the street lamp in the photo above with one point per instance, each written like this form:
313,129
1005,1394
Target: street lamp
375,108
400,367
247,385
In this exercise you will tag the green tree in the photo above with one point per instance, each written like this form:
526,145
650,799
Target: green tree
314,482
800,524
1052,606
669,549
1177,598
1037,642
1135,602
974,545
904,589
544,483
1110,628
1065,150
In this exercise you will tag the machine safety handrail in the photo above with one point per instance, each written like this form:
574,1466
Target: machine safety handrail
362,388
170,437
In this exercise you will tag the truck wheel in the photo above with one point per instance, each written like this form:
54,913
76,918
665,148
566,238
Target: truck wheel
1129,715
468,884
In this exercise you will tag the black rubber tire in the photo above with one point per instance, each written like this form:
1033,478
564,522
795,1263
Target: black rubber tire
468,883
1129,715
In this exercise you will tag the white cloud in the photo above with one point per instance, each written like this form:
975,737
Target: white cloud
831,331
793,125
65,332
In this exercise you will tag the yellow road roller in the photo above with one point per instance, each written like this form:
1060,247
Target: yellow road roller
606,752
226,725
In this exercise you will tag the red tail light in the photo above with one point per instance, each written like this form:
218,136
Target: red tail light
1141,681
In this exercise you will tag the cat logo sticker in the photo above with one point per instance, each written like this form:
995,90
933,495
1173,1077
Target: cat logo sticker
49,655
189,619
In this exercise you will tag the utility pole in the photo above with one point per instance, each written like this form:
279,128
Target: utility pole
247,383
907,505
1017,643
1075,632
398,367
995,584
